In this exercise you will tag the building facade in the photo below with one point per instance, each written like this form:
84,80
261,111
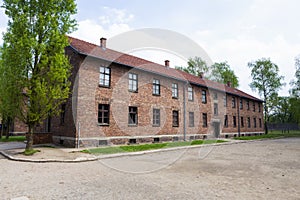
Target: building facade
117,98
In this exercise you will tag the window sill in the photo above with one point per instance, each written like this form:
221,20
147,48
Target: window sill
153,125
133,91
157,95
175,98
175,126
132,125
99,124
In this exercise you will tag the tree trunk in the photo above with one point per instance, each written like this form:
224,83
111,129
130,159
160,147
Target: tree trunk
1,132
7,130
266,128
29,137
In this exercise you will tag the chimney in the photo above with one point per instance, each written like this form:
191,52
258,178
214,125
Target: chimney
167,63
229,84
201,75
103,42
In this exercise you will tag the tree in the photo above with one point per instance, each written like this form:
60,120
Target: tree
7,100
196,66
267,81
282,112
34,60
219,72
295,92
222,73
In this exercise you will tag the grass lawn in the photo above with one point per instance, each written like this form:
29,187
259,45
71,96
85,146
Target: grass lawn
13,139
144,147
273,134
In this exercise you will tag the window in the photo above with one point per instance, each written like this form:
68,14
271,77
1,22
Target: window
241,104
249,122
156,117
191,119
156,87
225,100
254,122
215,109
204,119
234,121
233,102
253,106
133,82
62,114
190,94
204,100
103,114
215,96
248,106
226,121
104,78
175,90
242,121
260,124
133,115
259,109
175,118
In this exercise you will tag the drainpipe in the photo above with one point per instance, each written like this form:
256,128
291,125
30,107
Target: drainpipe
239,121
184,112
78,139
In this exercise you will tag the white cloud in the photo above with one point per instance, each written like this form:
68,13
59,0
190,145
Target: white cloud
113,15
113,22
240,50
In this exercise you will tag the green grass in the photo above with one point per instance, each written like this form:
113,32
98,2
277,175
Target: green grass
144,147
273,134
199,142
13,139
30,152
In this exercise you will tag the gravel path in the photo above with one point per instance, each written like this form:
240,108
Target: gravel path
268,169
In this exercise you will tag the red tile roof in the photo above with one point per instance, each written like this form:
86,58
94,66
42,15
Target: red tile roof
107,54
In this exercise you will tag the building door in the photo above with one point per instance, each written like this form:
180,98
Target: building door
216,127
48,125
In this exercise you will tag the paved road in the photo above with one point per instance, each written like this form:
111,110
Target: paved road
257,170
11,145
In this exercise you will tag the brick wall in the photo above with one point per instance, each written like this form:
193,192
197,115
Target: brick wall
82,107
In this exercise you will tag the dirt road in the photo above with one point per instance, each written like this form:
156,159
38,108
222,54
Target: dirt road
268,169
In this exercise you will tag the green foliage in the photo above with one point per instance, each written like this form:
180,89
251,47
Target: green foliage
295,92
222,73
295,109
283,112
267,81
34,69
296,83
196,66
219,72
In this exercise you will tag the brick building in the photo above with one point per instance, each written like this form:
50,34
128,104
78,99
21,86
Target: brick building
118,98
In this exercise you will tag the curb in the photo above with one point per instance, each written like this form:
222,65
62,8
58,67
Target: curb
77,160
108,156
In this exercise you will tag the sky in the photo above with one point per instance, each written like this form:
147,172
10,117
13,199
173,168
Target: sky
228,30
